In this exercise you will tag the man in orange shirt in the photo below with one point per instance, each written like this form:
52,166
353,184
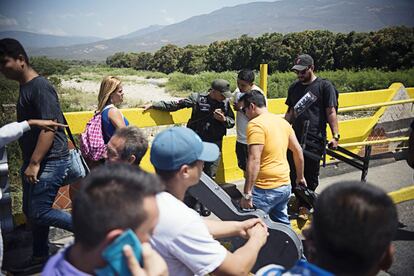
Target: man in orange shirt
267,185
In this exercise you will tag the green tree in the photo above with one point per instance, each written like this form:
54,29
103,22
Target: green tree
193,59
46,66
117,60
166,59
141,61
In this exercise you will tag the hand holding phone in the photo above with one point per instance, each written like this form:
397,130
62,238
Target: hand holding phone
219,115
114,254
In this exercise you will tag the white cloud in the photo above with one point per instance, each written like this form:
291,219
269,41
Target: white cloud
87,14
75,15
163,11
99,24
7,22
66,15
52,31
169,20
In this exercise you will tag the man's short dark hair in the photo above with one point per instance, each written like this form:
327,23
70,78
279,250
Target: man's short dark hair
246,75
111,197
167,175
135,143
353,225
12,48
255,97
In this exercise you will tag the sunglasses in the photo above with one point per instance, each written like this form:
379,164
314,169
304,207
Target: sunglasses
301,72
244,109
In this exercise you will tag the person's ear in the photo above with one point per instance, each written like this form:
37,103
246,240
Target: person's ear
387,258
131,159
21,60
111,236
185,171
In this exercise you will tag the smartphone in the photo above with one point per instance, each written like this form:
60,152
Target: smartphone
114,254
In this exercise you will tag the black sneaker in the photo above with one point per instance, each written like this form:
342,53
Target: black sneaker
29,266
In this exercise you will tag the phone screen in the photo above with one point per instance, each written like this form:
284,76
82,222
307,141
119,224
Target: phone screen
114,254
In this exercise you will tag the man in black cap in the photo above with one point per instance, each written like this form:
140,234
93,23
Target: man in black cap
210,119
312,103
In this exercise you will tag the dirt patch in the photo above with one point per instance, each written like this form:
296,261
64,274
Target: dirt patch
136,89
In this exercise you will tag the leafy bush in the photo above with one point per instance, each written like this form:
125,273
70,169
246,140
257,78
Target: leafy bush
46,66
180,84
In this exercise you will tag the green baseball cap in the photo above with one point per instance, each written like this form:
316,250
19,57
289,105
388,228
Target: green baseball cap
222,86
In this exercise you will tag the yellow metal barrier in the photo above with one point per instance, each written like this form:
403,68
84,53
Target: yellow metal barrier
375,142
352,131
263,78
367,106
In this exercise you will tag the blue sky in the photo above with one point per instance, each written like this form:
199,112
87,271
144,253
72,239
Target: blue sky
102,18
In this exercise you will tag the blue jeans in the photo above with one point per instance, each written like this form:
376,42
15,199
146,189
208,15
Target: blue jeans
38,199
273,201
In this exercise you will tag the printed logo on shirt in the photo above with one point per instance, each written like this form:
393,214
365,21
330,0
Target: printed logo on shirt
304,103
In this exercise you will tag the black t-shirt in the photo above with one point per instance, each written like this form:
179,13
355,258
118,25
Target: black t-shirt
38,100
310,103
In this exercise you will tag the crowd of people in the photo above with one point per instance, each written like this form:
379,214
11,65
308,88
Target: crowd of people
353,224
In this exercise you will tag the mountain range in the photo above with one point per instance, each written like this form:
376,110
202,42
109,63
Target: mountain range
253,19
34,40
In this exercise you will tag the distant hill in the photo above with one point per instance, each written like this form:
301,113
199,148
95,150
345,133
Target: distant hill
34,40
144,31
253,19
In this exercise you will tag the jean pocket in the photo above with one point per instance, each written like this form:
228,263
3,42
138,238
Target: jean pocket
76,169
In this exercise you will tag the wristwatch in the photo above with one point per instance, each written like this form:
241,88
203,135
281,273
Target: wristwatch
336,136
247,196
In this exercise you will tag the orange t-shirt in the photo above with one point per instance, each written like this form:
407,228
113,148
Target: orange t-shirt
273,132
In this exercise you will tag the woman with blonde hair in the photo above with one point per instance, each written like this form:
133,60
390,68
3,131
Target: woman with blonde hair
110,95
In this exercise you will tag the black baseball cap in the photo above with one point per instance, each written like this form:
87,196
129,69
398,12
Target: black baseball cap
302,62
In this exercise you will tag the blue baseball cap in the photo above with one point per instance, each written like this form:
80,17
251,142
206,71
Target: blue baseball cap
178,146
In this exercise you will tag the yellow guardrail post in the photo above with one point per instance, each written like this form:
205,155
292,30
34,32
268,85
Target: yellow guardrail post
263,78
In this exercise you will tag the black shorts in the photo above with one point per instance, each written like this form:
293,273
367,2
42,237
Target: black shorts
242,152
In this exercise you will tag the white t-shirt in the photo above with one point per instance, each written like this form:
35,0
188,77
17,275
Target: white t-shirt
181,237
241,118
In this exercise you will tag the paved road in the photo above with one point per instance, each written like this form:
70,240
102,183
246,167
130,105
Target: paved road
390,177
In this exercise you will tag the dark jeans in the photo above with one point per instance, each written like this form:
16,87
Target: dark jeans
242,153
311,171
38,199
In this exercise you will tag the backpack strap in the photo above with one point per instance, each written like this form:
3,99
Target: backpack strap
321,82
69,133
